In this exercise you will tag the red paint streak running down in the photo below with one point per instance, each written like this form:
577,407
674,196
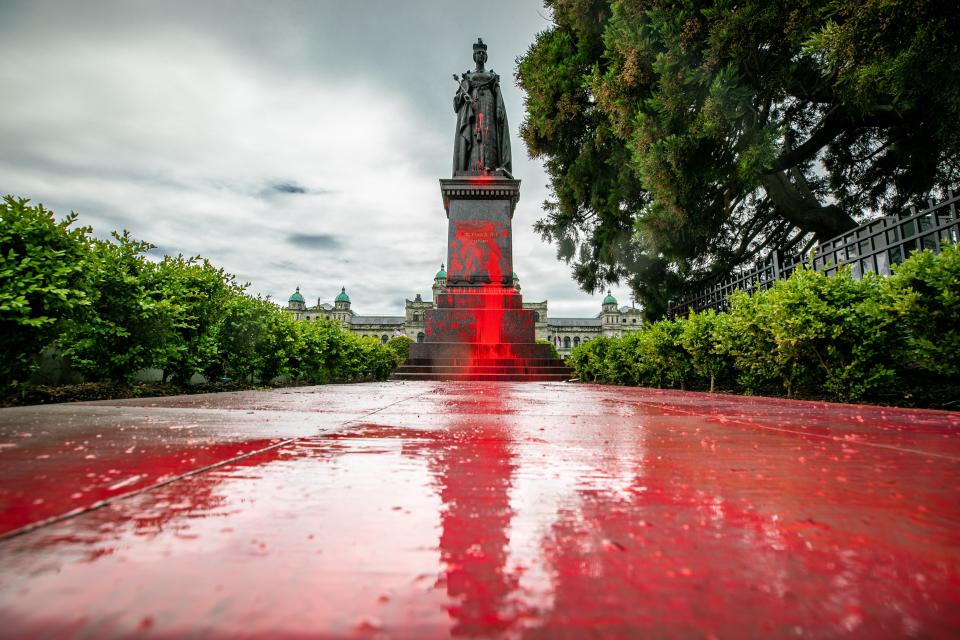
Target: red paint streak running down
481,179
476,250
479,329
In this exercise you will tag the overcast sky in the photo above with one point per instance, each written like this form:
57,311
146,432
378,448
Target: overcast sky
292,143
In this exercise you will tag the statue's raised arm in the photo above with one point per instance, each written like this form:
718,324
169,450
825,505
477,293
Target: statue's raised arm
482,142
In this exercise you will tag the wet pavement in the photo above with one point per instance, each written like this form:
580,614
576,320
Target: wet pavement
478,510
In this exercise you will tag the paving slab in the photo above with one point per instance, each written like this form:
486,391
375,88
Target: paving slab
478,510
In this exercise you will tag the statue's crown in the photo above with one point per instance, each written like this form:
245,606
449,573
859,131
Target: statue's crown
479,45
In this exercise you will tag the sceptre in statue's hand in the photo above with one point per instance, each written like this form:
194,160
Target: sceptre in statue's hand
464,84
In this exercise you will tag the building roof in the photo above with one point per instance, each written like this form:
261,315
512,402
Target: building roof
342,296
609,299
442,274
574,322
296,296
377,320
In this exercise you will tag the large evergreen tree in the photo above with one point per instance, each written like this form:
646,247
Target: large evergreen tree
683,138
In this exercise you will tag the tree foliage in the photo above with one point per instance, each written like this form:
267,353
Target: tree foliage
685,138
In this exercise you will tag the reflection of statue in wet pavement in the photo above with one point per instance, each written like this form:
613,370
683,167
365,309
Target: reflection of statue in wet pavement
475,475
482,143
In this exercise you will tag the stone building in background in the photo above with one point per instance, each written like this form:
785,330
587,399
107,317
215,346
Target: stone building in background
564,333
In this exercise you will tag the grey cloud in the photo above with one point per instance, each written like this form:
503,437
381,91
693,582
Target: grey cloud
314,241
292,188
288,187
285,265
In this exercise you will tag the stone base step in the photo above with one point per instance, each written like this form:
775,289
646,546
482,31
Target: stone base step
481,377
479,351
516,362
484,369
484,362
522,367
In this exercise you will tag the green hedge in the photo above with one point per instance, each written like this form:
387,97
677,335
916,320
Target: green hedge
810,335
110,312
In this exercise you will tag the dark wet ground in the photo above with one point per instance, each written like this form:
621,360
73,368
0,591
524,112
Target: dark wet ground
478,510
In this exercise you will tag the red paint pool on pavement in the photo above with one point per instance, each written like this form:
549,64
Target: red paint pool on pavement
507,510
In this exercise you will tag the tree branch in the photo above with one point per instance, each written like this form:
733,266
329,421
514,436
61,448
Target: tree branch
833,124
804,212
829,128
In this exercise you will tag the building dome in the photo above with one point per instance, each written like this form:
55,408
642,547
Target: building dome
342,296
296,297
609,299
441,275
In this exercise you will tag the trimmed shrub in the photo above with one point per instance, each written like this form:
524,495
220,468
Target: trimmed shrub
704,337
656,356
815,334
43,282
926,296
400,346
325,353
130,320
588,360
810,335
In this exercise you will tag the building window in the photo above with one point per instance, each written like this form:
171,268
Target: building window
566,342
576,341
421,337
417,317
536,316
634,321
623,320
383,339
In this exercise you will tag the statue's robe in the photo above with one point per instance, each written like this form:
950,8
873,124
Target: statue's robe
484,100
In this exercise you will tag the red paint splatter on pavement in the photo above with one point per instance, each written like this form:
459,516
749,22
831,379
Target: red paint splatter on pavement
486,510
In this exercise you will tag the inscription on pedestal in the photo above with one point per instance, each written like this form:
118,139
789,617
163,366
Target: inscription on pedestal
479,236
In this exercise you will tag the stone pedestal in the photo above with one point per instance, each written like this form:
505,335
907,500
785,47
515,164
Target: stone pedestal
479,329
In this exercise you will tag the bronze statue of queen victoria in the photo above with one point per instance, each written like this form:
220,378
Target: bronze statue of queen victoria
482,143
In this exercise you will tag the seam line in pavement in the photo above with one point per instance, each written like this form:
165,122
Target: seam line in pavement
840,439
392,404
99,504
